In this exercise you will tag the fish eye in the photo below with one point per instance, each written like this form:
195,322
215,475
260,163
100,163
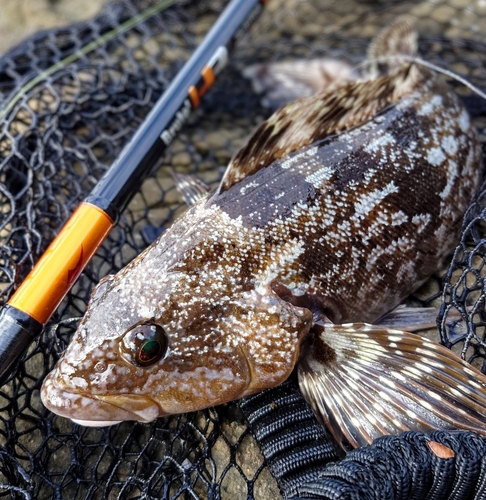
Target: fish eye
144,344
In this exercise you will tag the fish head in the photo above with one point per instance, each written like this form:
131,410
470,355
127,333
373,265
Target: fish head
130,361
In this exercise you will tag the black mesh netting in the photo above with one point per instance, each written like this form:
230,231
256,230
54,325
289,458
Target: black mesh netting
69,100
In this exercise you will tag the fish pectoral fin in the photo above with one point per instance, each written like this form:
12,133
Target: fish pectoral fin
323,309
282,82
364,381
191,188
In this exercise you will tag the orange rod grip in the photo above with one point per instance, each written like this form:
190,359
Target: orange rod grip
52,277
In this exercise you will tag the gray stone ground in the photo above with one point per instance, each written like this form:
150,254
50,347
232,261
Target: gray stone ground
20,18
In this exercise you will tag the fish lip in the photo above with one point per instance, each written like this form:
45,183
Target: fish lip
96,423
87,409
131,403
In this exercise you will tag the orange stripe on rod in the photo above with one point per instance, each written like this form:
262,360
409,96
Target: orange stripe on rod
194,96
52,277
209,78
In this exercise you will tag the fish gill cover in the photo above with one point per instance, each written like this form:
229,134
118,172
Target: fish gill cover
70,99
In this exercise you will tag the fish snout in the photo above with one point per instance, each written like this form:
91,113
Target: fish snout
95,410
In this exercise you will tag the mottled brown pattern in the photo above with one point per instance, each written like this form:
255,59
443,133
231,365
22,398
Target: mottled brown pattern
310,119
350,158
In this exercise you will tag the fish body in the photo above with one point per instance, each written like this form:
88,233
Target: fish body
339,206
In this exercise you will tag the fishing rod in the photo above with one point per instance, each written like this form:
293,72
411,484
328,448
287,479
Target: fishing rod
37,298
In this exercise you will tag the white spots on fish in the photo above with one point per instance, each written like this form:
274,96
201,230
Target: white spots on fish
380,143
464,121
68,368
147,312
343,231
79,382
398,218
454,391
297,159
412,153
248,186
369,201
431,106
450,145
101,381
400,246
280,258
63,400
441,233
435,156
405,269
321,176
369,175
453,172
421,220
200,385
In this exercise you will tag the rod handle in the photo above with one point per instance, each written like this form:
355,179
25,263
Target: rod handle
17,331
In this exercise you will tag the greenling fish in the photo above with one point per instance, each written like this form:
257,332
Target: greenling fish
337,208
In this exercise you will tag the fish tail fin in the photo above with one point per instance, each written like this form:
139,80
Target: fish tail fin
364,381
397,39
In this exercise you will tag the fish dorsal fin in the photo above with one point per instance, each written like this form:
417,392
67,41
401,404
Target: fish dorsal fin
398,39
191,188
365,381
282,82
311,119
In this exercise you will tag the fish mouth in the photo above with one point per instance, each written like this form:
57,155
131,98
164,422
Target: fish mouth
97,410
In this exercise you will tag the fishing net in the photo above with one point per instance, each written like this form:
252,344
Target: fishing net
70,99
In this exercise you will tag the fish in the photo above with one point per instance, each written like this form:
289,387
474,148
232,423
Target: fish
338,207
